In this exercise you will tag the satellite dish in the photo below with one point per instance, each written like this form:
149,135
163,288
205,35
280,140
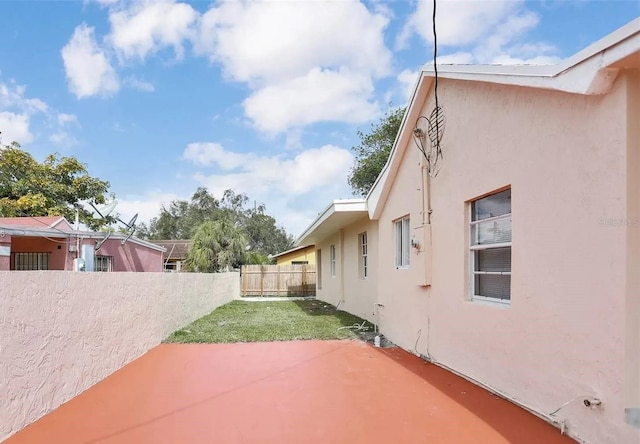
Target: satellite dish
105,210
130,227
102,241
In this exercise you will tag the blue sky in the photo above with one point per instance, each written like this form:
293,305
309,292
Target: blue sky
160,97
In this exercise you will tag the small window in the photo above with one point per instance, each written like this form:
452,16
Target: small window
402,242
31,261
364,255
319,269
332,255
490,249
299,262
103,263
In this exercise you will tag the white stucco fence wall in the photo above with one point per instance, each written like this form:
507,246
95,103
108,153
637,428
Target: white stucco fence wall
62,332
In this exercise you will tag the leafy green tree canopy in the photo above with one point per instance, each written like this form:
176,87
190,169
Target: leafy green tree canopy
373,151
183,219
54,187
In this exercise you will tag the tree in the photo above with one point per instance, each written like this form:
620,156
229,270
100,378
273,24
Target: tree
262,233
181,218
373,151
217,246
54,187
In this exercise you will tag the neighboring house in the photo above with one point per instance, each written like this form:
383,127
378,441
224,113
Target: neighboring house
296,256
51,243
518,265
176,253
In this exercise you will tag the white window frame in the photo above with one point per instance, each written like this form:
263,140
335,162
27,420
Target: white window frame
98,263
473,248
319,269
364,255
401,228
332,260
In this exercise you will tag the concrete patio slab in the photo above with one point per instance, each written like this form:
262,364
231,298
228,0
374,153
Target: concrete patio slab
285,392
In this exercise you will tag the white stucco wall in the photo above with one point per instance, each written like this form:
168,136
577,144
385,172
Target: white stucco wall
563,335
62,332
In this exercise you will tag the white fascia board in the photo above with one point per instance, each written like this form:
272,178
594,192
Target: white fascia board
337,206
28,232
586,72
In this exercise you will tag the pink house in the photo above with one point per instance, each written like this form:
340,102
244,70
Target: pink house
517,266
51,243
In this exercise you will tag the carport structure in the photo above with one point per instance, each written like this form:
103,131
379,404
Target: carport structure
285,392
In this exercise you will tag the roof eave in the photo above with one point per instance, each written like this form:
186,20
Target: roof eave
337,206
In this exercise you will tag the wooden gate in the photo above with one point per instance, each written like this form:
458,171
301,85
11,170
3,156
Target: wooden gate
278,280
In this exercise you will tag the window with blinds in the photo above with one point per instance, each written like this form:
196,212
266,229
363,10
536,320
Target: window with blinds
402,242
491,247
31,261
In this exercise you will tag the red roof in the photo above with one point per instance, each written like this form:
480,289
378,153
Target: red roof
36,222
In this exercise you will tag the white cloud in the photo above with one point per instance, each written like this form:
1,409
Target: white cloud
306,62
260,41
63,139
65,119
456,58
140,85
458,22
206,154
481,31
17,111
147,206
318,96
407,82
253,174
88,70
143,28
14,128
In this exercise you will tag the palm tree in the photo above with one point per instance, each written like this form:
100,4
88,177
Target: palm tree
217,246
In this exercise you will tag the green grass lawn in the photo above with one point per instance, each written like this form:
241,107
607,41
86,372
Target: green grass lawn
243,321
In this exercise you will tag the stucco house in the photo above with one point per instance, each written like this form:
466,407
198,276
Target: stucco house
304,255
51,243
517,266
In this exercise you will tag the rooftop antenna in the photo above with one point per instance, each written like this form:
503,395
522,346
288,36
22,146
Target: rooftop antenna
130,227
103,240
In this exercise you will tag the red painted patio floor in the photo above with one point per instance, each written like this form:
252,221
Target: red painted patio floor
303,392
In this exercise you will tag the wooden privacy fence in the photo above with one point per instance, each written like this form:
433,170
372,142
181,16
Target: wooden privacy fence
278,280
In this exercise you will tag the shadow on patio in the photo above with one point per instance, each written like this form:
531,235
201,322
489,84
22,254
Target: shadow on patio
285,392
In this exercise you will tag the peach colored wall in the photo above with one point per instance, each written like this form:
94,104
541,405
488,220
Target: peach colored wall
127,257
57,247
331,288
61,332
354,294
632,355
131,256
563,334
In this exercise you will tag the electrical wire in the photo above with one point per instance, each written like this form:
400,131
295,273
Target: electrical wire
435,55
